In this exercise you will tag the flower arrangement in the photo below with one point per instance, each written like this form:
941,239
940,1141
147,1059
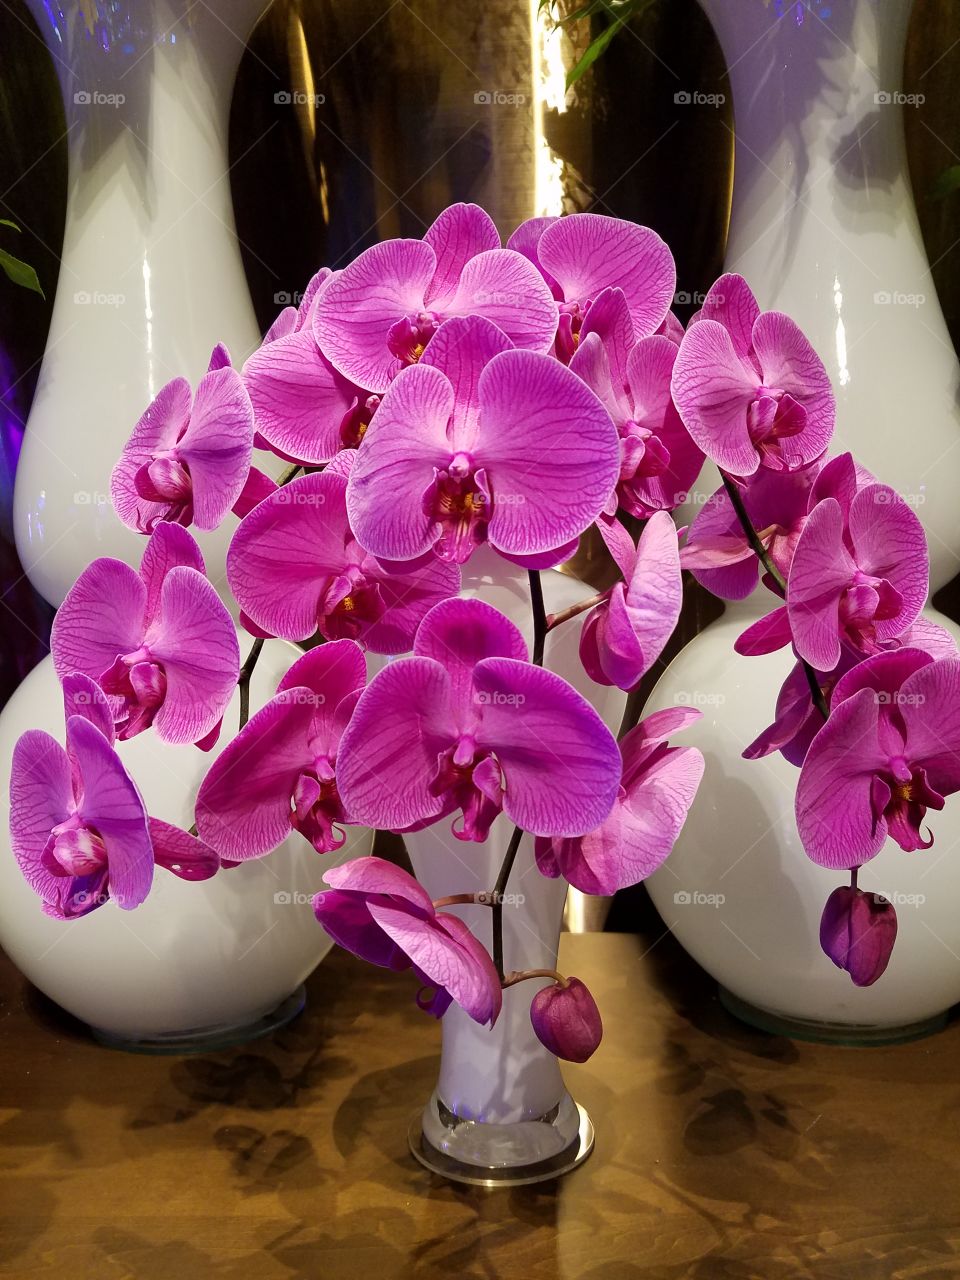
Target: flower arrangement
432,396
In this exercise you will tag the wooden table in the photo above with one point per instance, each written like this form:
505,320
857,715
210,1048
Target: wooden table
722,1153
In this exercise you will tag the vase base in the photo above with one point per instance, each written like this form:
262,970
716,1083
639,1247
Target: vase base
501,1155
206,1039
828,1032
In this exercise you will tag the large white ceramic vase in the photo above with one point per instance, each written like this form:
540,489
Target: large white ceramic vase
823,227
197,965
151,276
500,1112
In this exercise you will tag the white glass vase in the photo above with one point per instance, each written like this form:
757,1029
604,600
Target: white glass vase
824,227
151,276
500,1113
197,965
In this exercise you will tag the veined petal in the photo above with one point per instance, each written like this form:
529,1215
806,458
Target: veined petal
713,390
357,308
526,239
195,641
112,804
218,445
409,592
372,875
789,362
169,546
730,302
183,854
889,542
609,318
766,635
929,702
507,289
460,350
333,671
821,569
655,590
460,633
560,763
587,252
405,442
84,697
459,233
159,428
346,918
243,806
41,797
550,450
101,618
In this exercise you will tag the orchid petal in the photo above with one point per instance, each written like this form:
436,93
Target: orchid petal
186,856
459,233
504,287
713,390
101,618
159,428
218,445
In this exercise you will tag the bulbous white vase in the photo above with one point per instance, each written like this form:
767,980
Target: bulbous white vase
500,1113
823,226
197,965
151,276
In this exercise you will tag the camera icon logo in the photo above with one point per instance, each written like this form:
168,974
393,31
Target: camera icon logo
82,98
682,98
682,898
283,98
483,98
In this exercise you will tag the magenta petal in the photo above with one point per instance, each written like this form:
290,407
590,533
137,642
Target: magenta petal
334,672
588,252
730,302
713,390
889,542
101,618
609,318
183,854
460,350
560,763
377,876
348,921
482,996
789,363
218,445
169,546
299,399
112,805
405,442
820,571
195,641
545,559
41,797
767,635
504,287
930,704
408,594
84,697
534,408
457,235
243,806
256,487
356,310
655,590
460,633
717,552
388,754
526,239
159,428
835,814
285,553
610,648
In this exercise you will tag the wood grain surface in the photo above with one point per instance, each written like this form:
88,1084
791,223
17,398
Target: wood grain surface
722,1153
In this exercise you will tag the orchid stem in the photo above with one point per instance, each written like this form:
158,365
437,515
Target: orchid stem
290,474
481,899
555,619
511,979
498,891
539,616
243,681
763,555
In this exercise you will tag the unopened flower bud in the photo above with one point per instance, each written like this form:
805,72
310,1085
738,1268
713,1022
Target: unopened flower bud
566,1019
857,932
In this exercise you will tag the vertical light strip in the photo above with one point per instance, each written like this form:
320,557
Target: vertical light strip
549,93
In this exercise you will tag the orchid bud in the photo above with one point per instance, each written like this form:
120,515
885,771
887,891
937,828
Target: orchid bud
857,932
566,1019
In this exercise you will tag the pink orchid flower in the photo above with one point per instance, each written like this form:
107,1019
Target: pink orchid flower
304,409
78,826
582,255
889,752
658,787
382,310
623,637
188,459
295,567
479,442
159,642
383,915
797,721
468,723
749,387
566,1020
857,931
280,772
658,460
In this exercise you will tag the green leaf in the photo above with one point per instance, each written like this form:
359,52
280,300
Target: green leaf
946,183
5,222
593,52
20,272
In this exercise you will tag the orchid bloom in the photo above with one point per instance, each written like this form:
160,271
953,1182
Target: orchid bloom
479,442
749,387
566,1020
625,634
280,772
188,459
468,723
78,826
658,787
889,752
304,409
857,931
295,567
383,915
382,310
797,721
159,642
582,255
658,460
